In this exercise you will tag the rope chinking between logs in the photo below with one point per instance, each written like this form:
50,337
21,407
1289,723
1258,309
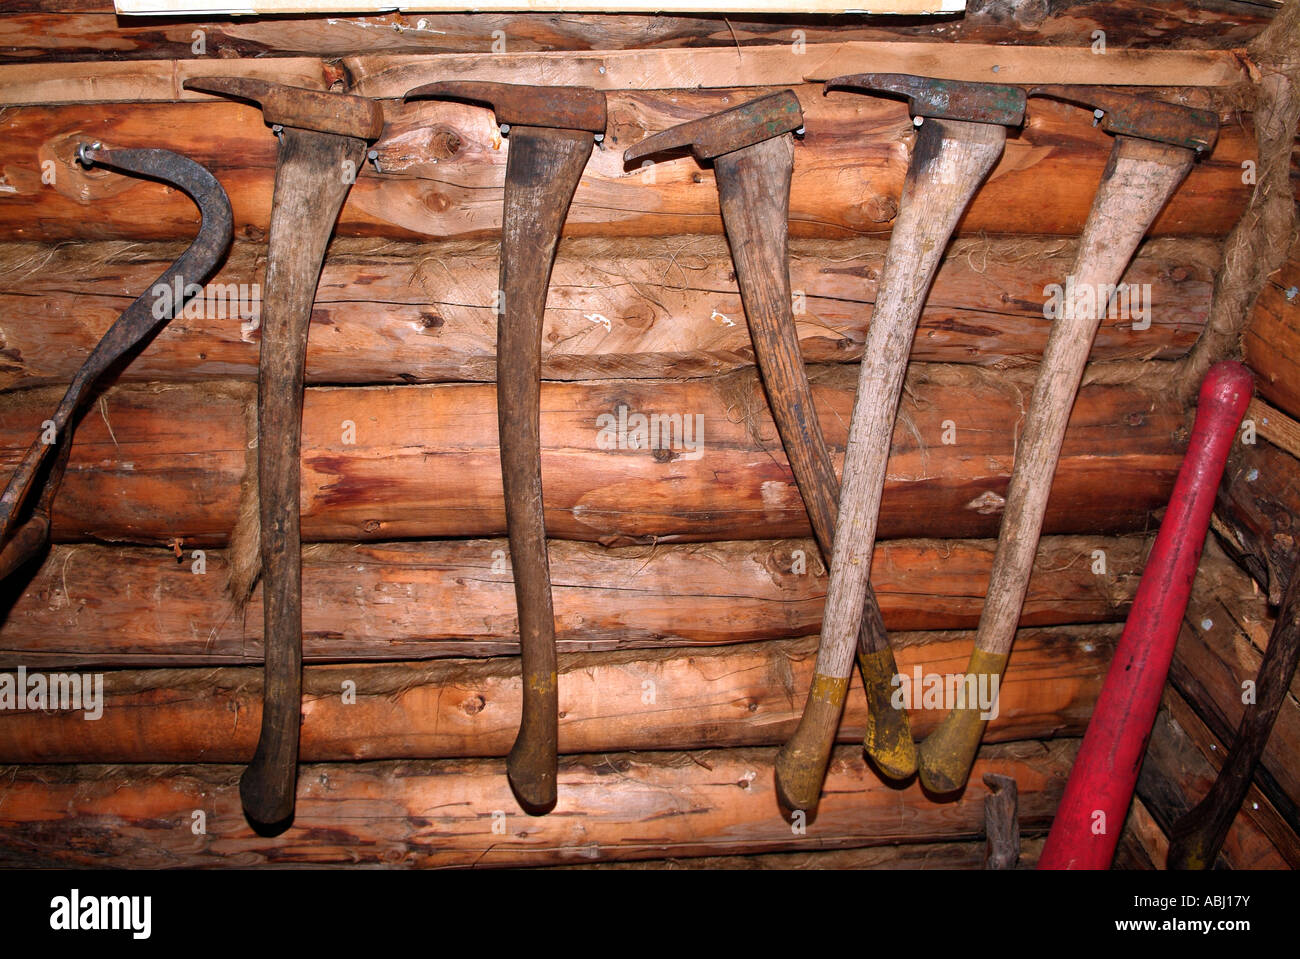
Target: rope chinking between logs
1259,243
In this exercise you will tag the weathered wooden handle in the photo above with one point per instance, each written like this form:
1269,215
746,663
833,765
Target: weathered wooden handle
1139,178
754,193
1197,837
312,179
542,173
950,160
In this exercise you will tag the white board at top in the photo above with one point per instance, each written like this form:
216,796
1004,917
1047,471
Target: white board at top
252,8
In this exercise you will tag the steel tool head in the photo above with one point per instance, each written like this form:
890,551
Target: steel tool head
1132,115
560,108
317,110
943,99
727,131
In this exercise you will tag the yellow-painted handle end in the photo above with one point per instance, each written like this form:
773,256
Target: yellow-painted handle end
888,740
801,763
948,753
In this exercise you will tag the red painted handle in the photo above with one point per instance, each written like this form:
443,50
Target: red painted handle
1100,788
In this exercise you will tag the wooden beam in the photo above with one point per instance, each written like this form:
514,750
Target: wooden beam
1272,339
1256,807
933,855
615,806
151,464
1174,776
41,31
277,8
405,312
456,598
1275,426
1255,511
440,170
388,76
742,695
1219,649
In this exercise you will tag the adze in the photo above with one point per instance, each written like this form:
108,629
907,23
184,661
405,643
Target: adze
552,131
752,149
963,127
24,533
323,139
1155,145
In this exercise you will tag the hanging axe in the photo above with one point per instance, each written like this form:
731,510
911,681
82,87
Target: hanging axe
551,131
963,127
24,532
1155,145
752,149
323,138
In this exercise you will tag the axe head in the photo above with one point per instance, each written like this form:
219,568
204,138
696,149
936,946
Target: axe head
318,110
1131,115
559,108
942,99
727,131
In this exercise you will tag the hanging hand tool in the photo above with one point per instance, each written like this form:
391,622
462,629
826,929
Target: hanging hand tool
25,533
752,149
323,138
551,132
1097,796
963,127
1155,145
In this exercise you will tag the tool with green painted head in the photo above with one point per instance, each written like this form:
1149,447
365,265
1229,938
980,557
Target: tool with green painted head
962,130
752,149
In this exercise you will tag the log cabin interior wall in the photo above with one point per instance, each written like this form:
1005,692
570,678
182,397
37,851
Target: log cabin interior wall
688,591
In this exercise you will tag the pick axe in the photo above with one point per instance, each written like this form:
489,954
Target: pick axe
963,127
752,149
551,130
323,138
24,532
1155,145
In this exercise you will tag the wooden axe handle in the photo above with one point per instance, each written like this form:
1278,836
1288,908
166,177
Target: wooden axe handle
950,160
1196,838
1139,178
754,193
542,173
311,181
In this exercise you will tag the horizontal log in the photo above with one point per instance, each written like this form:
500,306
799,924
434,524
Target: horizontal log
725,65
743,695
115,606
394,313
930,855
429,813
441,169
29,34
151,464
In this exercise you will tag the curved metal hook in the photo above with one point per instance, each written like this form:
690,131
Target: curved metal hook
130,333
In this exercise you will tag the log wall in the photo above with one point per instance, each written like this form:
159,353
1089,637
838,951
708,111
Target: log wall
681,574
